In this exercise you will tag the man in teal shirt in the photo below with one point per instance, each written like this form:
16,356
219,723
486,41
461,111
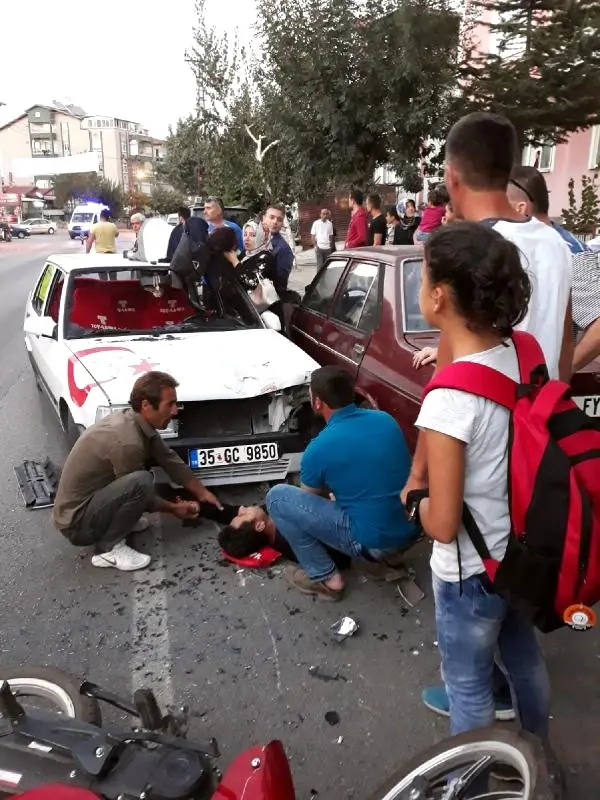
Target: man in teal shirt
361,458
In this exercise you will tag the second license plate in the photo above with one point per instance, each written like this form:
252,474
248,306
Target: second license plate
237,454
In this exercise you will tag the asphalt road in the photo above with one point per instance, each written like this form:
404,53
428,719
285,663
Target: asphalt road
237,646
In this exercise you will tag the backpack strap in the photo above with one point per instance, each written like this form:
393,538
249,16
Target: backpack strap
530,357
477,379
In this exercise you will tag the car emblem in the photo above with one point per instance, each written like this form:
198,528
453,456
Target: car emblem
172,303
123,304
102,320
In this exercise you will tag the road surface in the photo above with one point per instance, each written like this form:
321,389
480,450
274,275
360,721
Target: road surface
236,646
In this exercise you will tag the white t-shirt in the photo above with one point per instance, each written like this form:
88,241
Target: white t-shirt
547,258
322,230
483,426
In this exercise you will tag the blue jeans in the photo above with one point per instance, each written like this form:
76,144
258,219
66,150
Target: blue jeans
307,522
422,236
473,625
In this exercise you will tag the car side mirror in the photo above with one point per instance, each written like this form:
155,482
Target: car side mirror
40,326
271,321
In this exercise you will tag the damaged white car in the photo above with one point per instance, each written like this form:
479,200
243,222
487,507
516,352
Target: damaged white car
95,323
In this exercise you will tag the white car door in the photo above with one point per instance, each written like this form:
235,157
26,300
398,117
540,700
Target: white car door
48,353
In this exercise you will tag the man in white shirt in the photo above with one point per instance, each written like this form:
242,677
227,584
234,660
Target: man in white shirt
481,150
322,237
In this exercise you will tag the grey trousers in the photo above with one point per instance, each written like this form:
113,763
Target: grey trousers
322,256
113,511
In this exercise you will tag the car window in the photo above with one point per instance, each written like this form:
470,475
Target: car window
320,293
410,287
358,299
41,290
54,296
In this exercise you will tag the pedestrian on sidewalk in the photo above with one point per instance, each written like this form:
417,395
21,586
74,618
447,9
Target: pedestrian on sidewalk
377,224
322,236
358,230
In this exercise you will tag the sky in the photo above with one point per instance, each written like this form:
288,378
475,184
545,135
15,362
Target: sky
115,58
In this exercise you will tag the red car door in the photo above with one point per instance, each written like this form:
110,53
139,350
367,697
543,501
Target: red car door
353,315
309,319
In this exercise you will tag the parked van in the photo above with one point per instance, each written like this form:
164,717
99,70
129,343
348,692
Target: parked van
83,218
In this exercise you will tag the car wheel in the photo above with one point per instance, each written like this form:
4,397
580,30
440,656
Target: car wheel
21,235
51,231
72,430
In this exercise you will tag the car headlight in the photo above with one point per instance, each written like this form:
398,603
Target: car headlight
104,411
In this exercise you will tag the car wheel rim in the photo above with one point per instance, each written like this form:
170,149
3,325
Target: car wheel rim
454,763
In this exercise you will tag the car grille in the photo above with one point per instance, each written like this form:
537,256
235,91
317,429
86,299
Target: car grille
244,473
215,418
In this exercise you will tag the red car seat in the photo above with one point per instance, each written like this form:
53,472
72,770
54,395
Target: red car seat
58,792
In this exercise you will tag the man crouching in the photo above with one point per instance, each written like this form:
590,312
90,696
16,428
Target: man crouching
105,486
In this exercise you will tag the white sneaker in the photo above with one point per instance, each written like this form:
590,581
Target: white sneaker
141,525
121,557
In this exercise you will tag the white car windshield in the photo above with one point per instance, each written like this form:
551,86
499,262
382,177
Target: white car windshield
116,302
81,217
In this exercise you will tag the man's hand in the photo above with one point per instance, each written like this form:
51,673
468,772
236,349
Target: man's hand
206,496
428,355
413,482
185,509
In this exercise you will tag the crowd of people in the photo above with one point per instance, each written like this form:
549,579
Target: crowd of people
497,266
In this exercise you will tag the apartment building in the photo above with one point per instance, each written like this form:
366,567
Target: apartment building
126,153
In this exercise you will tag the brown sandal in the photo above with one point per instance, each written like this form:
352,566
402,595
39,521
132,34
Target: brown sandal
298,578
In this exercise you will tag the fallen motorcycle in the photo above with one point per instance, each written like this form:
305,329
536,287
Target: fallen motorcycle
154,761
70,748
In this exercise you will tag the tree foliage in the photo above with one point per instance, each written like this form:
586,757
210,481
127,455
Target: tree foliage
88,186
583,217
545,75
165,200
350,86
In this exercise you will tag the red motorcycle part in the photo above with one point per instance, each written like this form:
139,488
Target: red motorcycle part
261,773
58,792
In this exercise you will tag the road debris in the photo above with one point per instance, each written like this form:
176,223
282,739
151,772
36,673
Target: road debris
316,672
343,628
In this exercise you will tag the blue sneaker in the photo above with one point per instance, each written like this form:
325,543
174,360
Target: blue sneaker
436,700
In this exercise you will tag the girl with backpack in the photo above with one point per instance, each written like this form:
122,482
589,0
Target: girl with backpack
475,291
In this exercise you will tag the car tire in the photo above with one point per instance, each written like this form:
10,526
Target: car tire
21,235
72,430
51,231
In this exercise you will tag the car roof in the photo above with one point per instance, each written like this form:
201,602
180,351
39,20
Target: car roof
389,254
98,261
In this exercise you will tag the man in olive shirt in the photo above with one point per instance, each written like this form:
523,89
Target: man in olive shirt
105,486
103,235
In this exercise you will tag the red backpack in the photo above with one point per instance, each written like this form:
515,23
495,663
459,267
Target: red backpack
551,569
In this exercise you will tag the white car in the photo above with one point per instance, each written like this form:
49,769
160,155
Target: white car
39,225
95,323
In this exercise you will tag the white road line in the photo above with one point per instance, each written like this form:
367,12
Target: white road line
151,662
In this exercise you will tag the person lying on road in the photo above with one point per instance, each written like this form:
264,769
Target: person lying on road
361,456
105,486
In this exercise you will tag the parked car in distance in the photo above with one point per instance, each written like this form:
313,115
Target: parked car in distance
20,230
361,312
39,225
173,219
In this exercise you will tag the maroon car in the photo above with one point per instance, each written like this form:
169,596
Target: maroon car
361,312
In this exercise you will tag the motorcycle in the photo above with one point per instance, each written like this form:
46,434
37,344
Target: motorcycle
5,233
71,749
155,761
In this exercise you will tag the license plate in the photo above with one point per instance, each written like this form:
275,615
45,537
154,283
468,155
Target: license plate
237,454
590,404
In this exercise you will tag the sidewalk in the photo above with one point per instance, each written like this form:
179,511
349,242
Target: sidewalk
304,270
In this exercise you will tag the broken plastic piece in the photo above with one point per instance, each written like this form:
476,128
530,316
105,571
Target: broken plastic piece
332,718
340,739
343,628
410,592
38,482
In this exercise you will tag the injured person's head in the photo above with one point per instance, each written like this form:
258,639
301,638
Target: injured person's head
248,532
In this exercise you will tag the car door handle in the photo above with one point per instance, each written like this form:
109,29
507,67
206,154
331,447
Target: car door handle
318,329
359,349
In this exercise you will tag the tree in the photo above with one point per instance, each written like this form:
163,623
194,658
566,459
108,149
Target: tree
88,187
166,201
545,75
185,147
583,218
348,86
137,201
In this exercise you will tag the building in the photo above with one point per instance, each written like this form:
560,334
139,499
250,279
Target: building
127,154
